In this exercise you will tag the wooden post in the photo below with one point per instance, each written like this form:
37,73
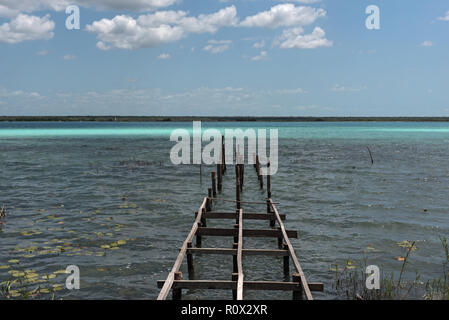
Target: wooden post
280,240
177,293
242,175
203,220
286,263
234,259
237,194
235,277
270,212
214,183
198,237
219,175
268,180
237,172
190,267
236,238
223,154
272,221
298,295
257,165
259,176
209,200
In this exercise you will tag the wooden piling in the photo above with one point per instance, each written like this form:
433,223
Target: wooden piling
223,154
286,263
270,213
198,237
219,176
209,200
257,166
280,240
242,175
298,294
236,237
268,180
259,175
214,183
235,277
237,194
190,266
234,259
177,293
203,219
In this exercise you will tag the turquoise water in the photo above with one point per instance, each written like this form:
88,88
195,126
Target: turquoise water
314,130
71,188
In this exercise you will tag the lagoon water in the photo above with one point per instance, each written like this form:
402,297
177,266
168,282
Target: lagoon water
106,197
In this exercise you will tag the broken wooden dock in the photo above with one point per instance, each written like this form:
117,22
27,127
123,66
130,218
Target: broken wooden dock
300,288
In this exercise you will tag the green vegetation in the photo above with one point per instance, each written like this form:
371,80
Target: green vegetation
350,281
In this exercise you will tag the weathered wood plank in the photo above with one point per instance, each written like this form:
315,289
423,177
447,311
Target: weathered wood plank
247,285
292,254
248,252
263,233
246,216
247,202
171,276
239,258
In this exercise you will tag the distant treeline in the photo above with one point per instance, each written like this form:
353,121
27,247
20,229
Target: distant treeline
221,119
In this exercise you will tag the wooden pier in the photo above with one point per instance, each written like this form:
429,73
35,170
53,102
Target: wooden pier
300,288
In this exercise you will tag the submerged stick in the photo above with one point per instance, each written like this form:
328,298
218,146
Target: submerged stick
371,155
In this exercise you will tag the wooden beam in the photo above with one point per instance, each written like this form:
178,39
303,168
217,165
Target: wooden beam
246,216
299,271
171,276
247,252
248,202
239,258
252,233
247,285
214,183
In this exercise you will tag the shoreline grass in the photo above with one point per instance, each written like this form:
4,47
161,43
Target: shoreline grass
350,281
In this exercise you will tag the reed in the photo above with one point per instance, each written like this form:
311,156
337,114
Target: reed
350,281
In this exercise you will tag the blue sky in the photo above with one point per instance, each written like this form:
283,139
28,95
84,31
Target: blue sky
224,57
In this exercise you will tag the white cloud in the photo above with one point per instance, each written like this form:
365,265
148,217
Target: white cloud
427,43
139,5
304,1
6,94
11,8
69,57
294,38
125,32
25,27
164,56
445,18
339,88
259,45
153,101
262,56
42,53
284,15
290,91
218,46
